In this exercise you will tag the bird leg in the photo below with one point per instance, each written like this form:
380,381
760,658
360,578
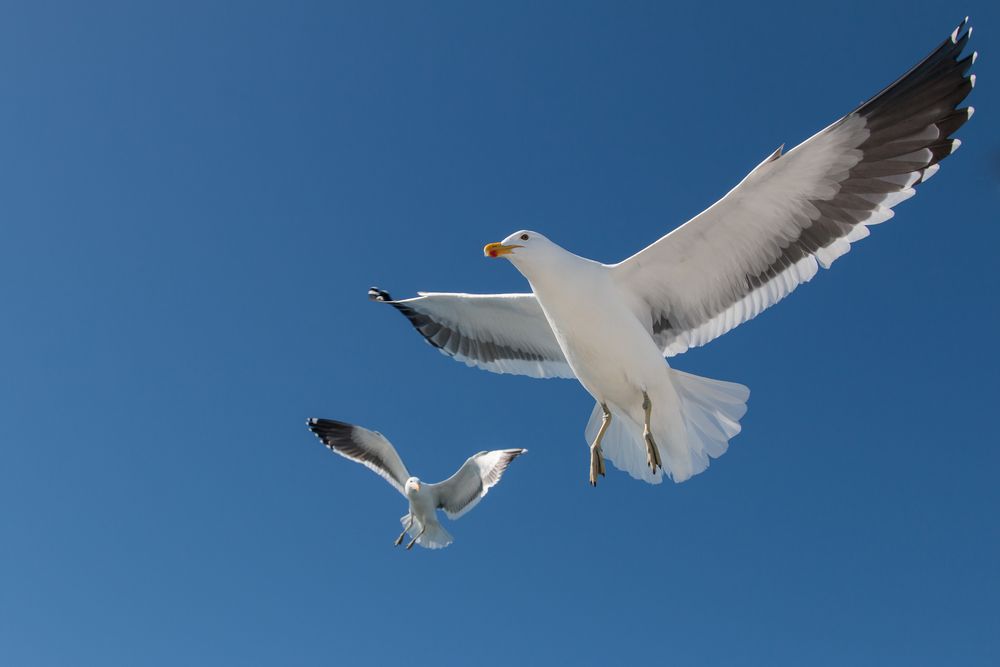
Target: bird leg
399,540
652,451
596,459
414,540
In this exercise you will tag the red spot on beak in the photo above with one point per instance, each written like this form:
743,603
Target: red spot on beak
493,253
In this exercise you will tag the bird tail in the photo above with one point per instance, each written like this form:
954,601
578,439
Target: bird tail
434,535
711,411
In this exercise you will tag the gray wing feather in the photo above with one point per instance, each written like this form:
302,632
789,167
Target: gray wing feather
502,333
802,210
462,491
369,448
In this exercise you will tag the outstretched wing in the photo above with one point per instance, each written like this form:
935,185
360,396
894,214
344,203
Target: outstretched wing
462,491
798,211
503,333
369,448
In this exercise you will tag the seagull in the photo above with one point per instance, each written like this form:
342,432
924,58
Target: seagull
456,495
610,325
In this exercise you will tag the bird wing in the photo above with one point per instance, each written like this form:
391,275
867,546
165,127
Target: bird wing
369,448
503,333
801,210
462,491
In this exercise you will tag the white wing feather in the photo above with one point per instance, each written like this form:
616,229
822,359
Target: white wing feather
796,212
369,448
462,491
502,333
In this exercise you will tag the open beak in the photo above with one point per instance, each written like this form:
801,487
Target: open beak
498,249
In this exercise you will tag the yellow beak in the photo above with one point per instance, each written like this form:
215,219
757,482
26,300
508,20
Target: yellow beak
498,249
416,486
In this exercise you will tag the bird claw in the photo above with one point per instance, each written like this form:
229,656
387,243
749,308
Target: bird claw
399,540
596,458
596,465
652,452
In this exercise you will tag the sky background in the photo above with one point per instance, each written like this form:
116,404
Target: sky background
195,199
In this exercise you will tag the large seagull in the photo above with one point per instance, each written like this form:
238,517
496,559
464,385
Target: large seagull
610,325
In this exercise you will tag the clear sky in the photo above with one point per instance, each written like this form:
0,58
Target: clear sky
195,198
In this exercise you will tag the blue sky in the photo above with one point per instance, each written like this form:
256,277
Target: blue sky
196,197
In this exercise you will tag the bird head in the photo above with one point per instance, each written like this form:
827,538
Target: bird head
412,485
521,245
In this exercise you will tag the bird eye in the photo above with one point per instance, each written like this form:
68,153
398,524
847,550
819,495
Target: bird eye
524,237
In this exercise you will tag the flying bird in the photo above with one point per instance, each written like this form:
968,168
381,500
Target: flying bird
610,325
456,495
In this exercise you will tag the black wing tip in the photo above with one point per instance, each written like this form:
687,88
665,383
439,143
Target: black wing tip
511,454
958,29
942,79
328,430
416,319
515,451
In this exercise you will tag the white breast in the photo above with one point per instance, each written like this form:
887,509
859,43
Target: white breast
607,347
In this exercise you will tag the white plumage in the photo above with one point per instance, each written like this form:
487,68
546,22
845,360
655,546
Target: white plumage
456,495
610,325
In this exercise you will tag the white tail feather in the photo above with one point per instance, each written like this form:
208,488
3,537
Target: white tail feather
712,410
434,535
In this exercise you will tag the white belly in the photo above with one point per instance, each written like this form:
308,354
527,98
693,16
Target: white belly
609,350
614,356
423,506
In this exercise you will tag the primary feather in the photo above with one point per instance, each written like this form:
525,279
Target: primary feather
462,491
369,448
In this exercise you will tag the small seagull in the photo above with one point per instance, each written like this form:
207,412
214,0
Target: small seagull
456,495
